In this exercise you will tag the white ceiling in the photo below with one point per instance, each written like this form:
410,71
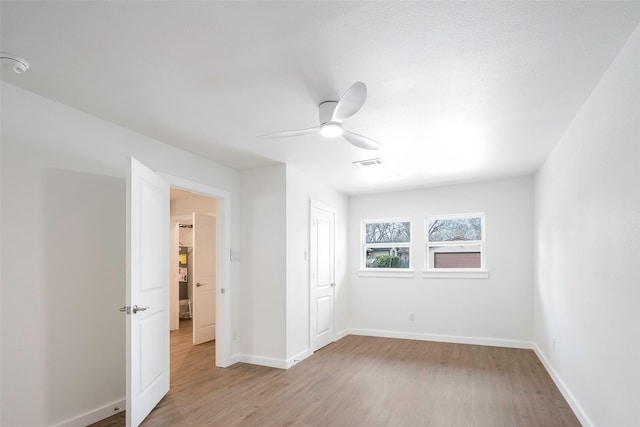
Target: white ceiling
458,91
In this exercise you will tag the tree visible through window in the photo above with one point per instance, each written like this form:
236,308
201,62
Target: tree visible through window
387,244
455,229
388,232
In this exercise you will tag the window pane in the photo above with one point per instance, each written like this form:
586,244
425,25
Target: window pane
457,260
387,257
454,229
388,232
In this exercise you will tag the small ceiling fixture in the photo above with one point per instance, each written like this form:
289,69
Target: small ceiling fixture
19,65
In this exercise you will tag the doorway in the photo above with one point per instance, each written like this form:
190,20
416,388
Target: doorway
221,289
193,264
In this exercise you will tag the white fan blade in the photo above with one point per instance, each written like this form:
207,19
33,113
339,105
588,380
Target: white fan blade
361,141
352,100
290,133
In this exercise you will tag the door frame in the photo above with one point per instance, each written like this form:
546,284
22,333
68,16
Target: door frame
314,204
223,261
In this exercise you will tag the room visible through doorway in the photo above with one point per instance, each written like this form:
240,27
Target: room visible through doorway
193,264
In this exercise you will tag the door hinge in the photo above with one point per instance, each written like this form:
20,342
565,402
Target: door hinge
222,290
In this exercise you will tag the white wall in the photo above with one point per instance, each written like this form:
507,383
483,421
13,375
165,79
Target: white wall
63,254
588,245
275,286
496,311
301,188
263,261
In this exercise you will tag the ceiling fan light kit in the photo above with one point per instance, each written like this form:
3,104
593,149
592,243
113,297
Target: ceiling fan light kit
331,115
331,130
19,65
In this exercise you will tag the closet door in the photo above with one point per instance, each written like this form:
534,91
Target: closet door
204,278
322,275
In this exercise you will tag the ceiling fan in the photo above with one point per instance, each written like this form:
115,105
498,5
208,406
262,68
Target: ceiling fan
332,113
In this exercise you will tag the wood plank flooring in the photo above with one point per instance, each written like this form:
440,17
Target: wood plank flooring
362,381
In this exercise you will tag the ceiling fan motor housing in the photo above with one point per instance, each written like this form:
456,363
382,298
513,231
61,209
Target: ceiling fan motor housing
326,110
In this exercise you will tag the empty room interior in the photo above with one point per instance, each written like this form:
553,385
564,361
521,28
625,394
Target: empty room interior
320,213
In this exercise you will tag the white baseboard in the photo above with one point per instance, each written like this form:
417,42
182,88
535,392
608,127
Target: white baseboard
494,342
286,364
95,415
263,361
234,358
566,393
272,362
341,334
298,358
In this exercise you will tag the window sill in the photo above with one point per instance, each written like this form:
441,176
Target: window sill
455,274
387,272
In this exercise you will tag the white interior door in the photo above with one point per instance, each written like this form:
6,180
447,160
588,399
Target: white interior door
322,272
174,281
204,278
147,291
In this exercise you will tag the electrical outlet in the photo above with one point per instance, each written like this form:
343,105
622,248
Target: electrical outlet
412,316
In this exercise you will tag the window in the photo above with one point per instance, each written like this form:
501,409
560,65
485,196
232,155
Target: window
455,242
386,244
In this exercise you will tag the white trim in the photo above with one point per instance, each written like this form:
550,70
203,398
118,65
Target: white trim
272,362
323,206
452,273
223,261
388,219
95,415
566,393
454,339
262,361
387,272
342,334
298,358
457,216
235,358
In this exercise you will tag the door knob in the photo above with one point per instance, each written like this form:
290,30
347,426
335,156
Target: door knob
136,309
200,284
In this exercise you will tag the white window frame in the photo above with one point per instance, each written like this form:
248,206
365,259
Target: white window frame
385,272
431,248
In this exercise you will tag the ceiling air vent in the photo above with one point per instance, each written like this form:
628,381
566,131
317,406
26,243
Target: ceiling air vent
369,162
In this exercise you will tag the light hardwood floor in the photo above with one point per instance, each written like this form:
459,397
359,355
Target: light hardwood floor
362,381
